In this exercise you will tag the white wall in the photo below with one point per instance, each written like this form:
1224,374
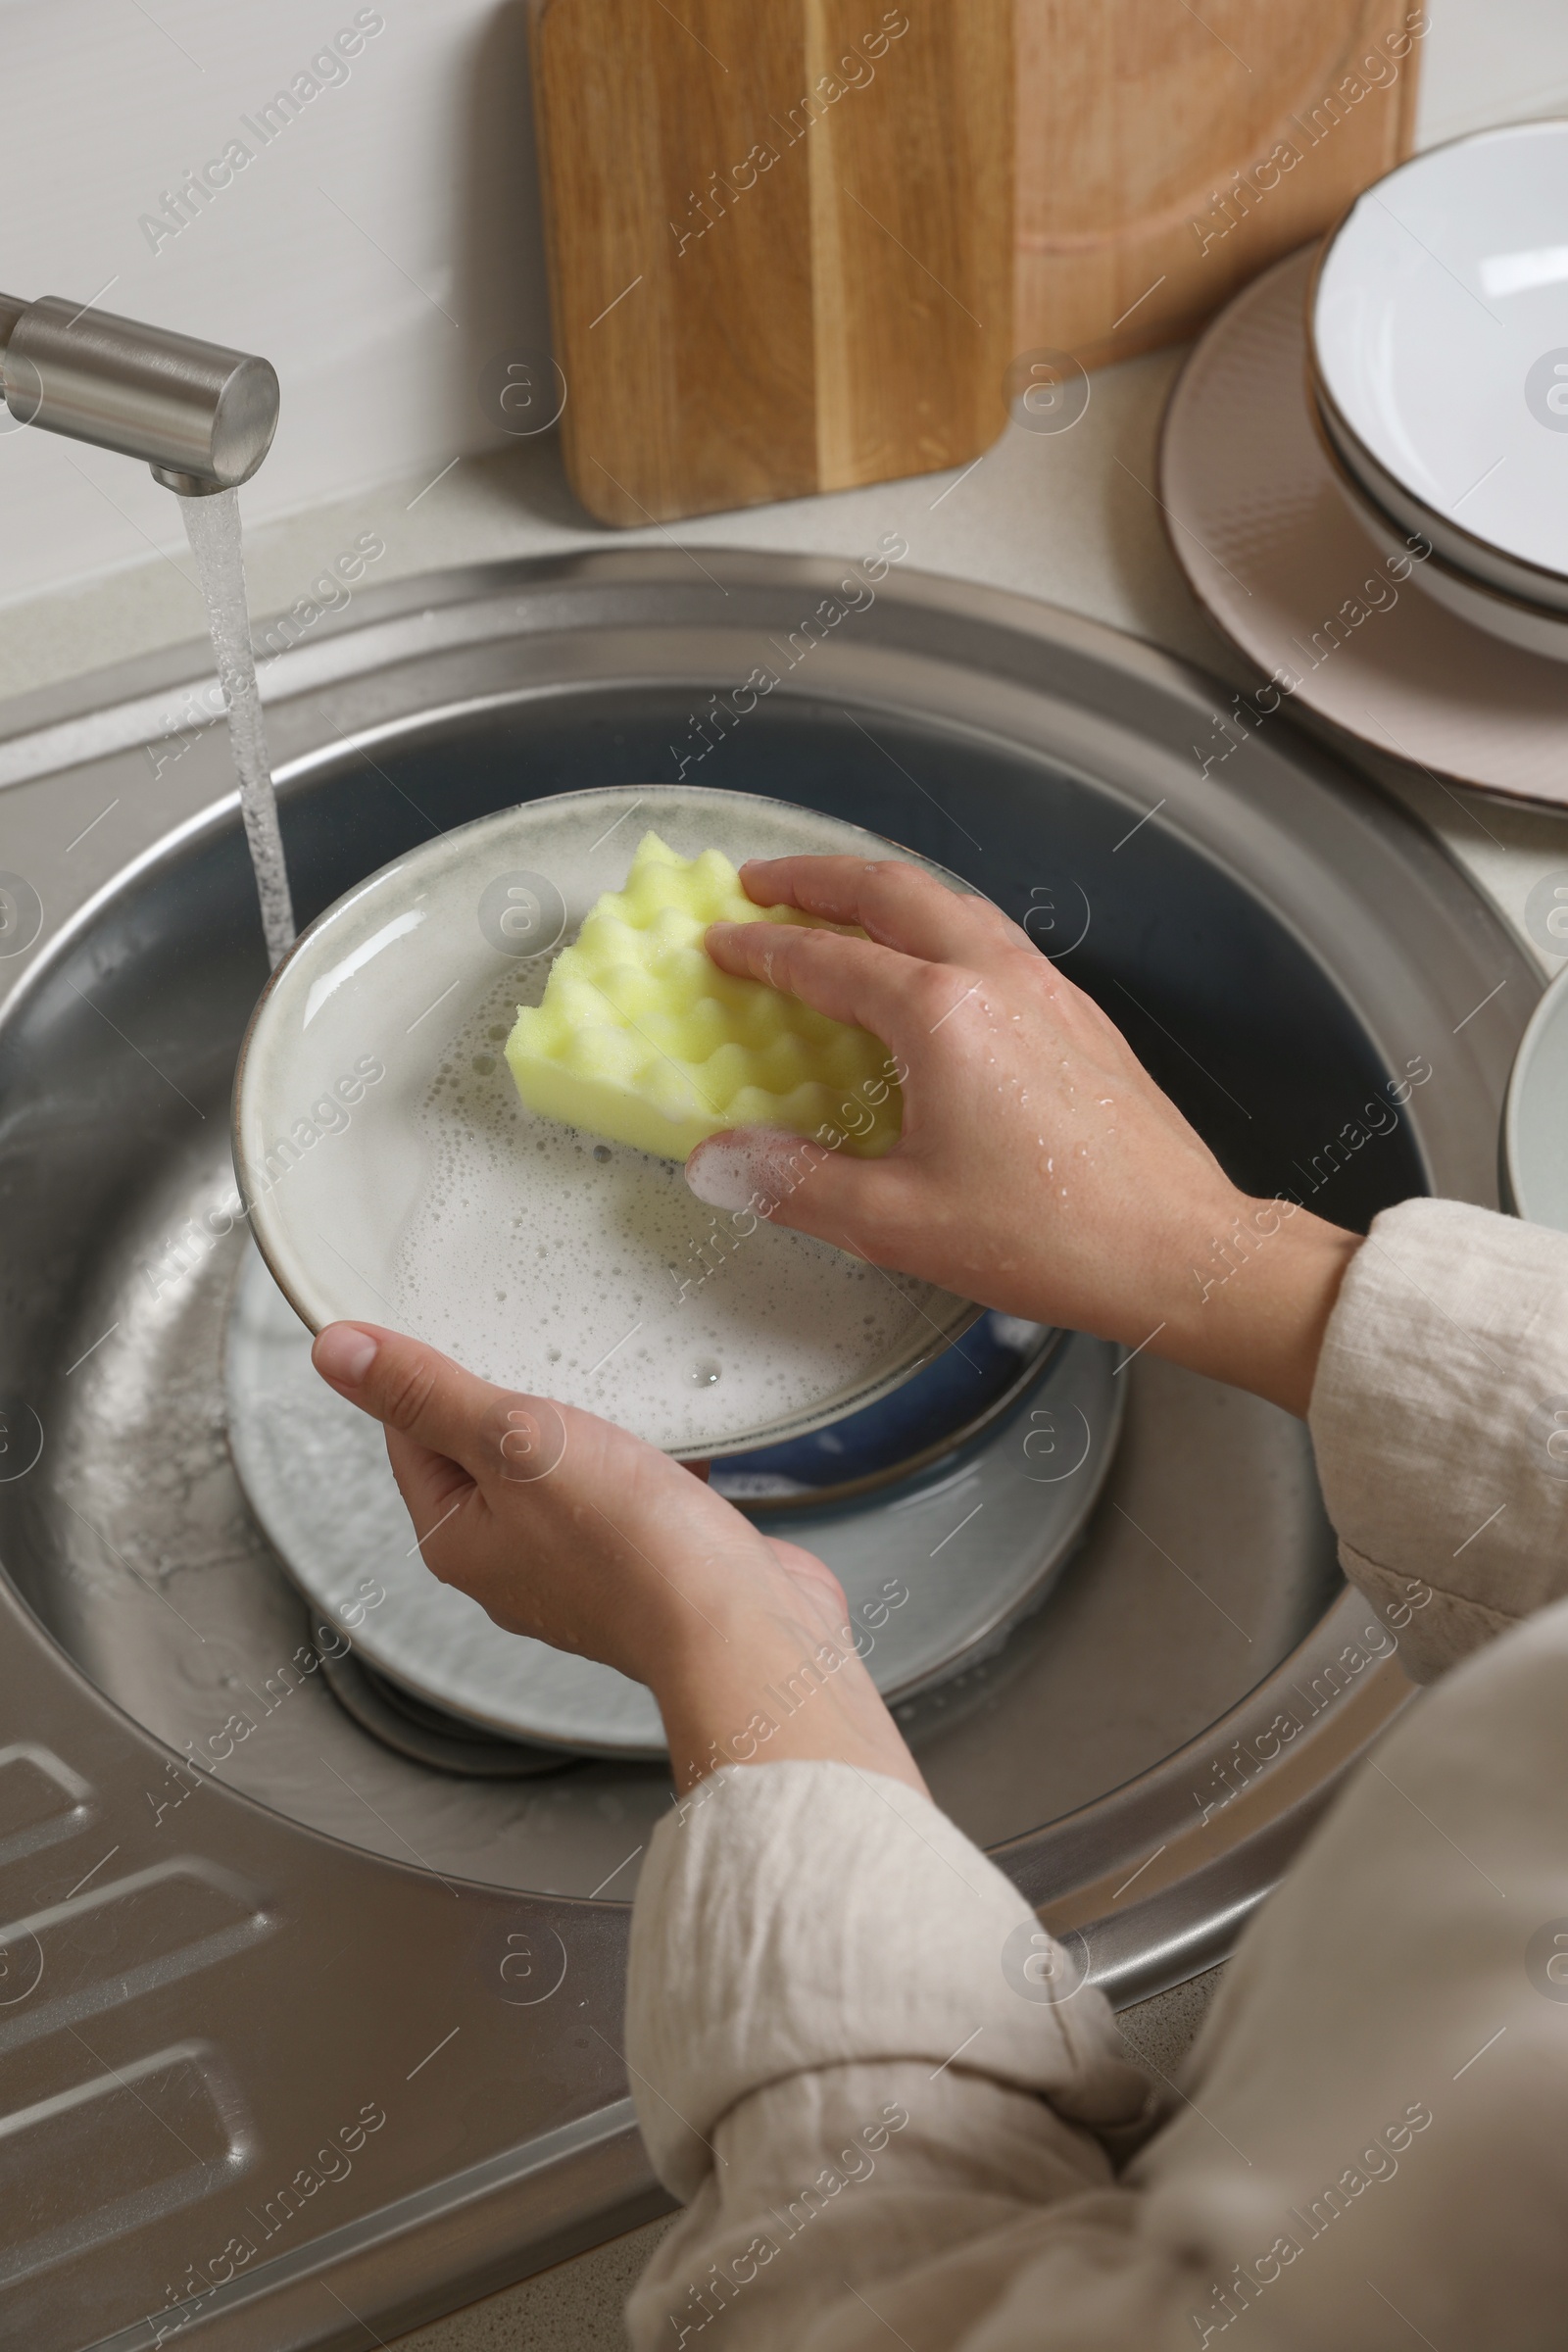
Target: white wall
1493,61
383,247
379,250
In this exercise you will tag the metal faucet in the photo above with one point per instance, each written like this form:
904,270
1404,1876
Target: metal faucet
202,416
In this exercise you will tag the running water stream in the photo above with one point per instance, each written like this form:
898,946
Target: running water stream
212,525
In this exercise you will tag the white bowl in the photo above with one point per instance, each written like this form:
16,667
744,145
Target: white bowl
1534,628
1438,341
392,1177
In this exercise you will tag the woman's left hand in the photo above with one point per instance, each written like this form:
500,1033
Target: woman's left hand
566,1527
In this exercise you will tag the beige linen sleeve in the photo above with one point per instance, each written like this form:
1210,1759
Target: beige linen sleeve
893,2114
884,2138
1440,1420
848,2059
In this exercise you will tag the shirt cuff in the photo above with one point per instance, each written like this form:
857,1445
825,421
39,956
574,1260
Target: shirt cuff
1440,1420
794,1916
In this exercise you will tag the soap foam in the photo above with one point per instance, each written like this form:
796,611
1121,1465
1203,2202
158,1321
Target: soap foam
545,1260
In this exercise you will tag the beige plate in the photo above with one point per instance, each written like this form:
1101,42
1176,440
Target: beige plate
392,1175
1275,557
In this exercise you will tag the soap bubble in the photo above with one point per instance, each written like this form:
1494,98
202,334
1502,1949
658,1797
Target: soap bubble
555,1215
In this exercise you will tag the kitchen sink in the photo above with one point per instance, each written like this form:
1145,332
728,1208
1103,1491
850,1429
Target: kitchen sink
309,2003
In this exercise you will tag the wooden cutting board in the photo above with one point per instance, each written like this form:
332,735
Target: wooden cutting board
780,240
1166,152
789,251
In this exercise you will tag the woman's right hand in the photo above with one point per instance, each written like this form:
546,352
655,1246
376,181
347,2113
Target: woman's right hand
1040,1169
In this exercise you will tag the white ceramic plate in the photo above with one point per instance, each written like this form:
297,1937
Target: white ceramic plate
934,1575
393,1176
1274,555
1438,344
1534,628
1535,1118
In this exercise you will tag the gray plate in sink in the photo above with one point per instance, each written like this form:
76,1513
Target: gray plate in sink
932,1574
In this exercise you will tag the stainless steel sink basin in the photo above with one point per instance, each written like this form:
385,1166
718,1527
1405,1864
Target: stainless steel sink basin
242,1928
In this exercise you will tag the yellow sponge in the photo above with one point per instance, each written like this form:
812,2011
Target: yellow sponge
641,1038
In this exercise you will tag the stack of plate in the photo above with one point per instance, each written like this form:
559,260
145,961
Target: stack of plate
390,1172
1437,359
